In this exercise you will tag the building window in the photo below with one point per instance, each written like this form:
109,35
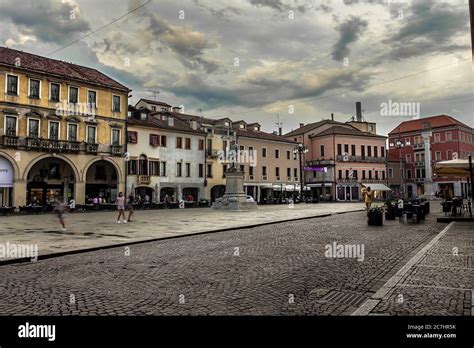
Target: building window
369,151
353,150
438,156
92,99
35,89
363,174
339,149
132,137
163,141
154,168
383,174
187,170
54,92
132,167
251,170
277,153
33,128
116,103
376,152
91,134
376,174
408,158
187,143
154,140
201,144
264,152
390,173
53,131
347,174
295,172
201,170
162,168
408,173
73,95
370,174
437,138
354,174
72,132
143,165
288,154
209,144
277,171
179,169
115,136
382,151
179,142
346,148
209,170
321,149
362,150
12,85
448,136
339,174
264,170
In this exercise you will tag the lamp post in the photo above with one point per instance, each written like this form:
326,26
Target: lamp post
300,149
399,145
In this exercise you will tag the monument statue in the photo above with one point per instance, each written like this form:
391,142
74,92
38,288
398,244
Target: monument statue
234,150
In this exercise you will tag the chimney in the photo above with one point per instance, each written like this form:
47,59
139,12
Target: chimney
177,109
170,121
279,131
332,116
358,111
301,125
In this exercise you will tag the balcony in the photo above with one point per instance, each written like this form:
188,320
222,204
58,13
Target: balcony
116,150
39,144
315,163
10,140
212,153
419,163
362,159
419,180
143,179
92,148
419,146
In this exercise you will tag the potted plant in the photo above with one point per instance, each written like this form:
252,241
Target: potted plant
390,210
375,216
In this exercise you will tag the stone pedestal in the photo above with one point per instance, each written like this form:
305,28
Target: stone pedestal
234,197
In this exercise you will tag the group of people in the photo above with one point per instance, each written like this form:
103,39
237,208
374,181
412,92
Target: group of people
120,202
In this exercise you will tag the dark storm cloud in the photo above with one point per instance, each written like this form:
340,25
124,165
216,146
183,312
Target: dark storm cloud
49,21
349,32
427,26
275,4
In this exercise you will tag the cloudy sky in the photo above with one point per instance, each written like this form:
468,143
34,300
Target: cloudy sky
256,59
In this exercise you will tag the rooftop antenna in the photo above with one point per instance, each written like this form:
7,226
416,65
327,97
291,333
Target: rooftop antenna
155,93
279,124
199,111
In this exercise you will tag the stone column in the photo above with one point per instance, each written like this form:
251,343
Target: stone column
19,193
80,192
428,174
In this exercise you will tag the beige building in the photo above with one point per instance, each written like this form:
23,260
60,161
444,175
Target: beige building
62,129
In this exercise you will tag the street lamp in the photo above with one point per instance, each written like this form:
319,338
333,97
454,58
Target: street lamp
300,149
399,145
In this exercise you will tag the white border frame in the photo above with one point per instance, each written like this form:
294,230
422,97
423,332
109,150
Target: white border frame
69,94
96,97
120,135
5,124
49,94
120,104
67,130
29,86
87,134
28,125
59,129
17,85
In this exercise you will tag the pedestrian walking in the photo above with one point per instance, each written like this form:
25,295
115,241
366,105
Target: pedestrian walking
131,200
120,201
369,195
59,210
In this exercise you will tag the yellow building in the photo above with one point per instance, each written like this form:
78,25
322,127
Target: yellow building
62,131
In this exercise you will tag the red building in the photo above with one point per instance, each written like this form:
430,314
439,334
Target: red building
449,139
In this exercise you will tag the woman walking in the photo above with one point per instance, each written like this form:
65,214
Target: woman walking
120,201
131,201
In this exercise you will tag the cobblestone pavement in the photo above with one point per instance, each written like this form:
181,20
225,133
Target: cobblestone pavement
278,269
441,283
93,230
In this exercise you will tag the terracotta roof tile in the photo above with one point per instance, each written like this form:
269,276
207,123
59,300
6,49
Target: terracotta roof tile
40,64
435,122
263,136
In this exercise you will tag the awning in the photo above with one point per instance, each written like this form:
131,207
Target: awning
457,167
377,187
278,187
314,185
266,186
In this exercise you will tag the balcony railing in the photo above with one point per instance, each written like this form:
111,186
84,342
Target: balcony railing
92,148
312,163
10,140
419,179
143,179
40,144
419,146
420,163
364,159
116,150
